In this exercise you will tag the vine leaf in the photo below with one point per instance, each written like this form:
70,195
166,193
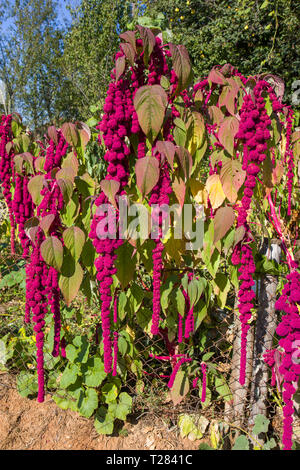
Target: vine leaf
147,174
150,103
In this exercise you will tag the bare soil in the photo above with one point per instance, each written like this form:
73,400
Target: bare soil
26,424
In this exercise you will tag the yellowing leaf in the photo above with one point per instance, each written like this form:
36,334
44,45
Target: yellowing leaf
215,191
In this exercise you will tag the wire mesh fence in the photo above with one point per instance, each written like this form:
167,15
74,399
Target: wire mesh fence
145,364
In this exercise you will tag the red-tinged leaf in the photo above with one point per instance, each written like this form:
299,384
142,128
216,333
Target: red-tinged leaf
39,163
215,115
120,67
70,286
129,53
129,36
46,222
182,66
239,235
227,132
223,221
180,387
70,133
110,189
199,98
215,76
149,42
147,174
150,103
74,239
52,133
20,158
277,173
66,187
52,252
232,177
179,189
276,82
71,161
8,147
185,160
31,227
215,191
227,98
66,173
167,149
35,185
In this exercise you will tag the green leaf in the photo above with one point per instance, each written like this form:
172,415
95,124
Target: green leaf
70,286
125,264
104,421
110,392
261,424
74,239
87,402
94,372
180,302
35,185
69,376
241,443
150,103
27,384
52,252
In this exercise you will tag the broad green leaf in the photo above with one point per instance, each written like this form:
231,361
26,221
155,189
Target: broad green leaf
35,185
87,402
52,252
70,286
125,264
261,424
74,239
150,103
241,443
104,421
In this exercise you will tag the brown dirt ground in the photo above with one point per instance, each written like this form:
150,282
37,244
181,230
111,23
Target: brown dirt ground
26,424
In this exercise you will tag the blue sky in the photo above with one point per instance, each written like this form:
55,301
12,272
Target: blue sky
64,17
